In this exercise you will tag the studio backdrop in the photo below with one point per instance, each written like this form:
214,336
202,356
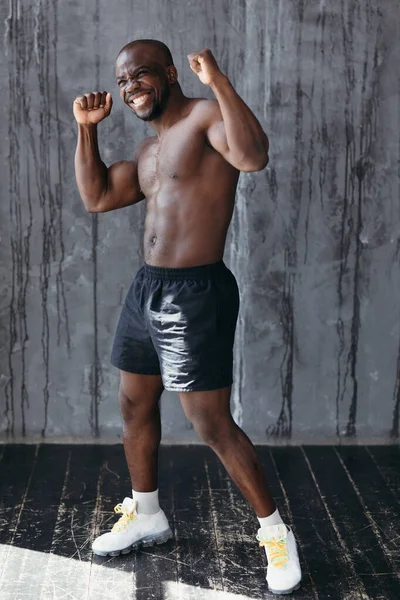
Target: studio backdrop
314,241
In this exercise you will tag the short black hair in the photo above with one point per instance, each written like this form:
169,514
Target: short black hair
164,51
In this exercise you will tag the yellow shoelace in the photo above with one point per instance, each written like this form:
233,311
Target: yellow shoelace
126,518
277,551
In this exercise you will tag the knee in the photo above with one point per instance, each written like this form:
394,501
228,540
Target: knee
134,405
214,433
127,404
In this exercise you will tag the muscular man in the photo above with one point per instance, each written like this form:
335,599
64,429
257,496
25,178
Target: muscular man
176,329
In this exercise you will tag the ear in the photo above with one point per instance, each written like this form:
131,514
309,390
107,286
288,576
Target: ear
172,74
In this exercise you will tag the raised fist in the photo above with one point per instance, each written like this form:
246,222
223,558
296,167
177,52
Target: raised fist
204,65
92,108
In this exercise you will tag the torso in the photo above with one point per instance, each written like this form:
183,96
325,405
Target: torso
190,193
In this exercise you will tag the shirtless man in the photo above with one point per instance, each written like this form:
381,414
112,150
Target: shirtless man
177,326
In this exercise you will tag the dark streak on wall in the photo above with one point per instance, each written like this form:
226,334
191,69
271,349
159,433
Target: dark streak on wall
283,427
62,311
394,432
350,236
395,427
19,238
96,379
50,200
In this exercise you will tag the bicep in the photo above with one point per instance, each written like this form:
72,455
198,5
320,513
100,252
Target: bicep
123,187
216,134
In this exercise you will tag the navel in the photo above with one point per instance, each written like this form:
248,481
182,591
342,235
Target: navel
173,175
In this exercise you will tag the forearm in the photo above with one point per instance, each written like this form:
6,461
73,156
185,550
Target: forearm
90,171
246,138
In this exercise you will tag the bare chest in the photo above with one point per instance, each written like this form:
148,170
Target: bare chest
175,157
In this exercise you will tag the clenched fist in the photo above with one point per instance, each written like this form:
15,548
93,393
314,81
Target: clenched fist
205,66
92,108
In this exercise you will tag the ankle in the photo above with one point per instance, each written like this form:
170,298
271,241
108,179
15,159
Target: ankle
147,502
273,519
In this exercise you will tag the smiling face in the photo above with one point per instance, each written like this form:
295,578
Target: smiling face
144,80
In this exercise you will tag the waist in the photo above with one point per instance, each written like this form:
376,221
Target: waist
197,272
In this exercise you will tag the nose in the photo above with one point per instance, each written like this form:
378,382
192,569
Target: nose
131,86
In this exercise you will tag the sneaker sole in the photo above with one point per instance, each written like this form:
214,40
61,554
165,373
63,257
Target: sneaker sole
284,592
148,540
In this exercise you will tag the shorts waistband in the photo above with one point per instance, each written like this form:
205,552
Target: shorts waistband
199,272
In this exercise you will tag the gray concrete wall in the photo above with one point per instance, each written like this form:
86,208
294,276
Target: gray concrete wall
314,241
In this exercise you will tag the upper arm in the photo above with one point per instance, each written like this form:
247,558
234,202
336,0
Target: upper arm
123,187
216,135
215,129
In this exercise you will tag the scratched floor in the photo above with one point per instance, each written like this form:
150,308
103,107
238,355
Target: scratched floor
343,504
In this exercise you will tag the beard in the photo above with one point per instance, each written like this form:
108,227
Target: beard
159,105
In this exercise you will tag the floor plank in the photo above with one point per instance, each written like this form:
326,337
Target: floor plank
16,470
157,565
35,527
387,461
73,530
377,501
326,571
242,561
356,537
195,540
111,577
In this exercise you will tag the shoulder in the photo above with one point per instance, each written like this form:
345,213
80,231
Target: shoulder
206,112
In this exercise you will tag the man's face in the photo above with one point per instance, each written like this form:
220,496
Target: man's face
143,82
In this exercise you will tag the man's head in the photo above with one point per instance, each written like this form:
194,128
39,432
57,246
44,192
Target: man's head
145,73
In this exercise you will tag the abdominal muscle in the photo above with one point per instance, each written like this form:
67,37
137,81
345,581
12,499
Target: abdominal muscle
184,229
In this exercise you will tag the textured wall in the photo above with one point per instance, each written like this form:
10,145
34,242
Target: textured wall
314,241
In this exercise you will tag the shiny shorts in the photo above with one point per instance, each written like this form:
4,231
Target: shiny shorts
180,324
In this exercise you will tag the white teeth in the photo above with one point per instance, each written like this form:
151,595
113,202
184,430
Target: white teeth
141,100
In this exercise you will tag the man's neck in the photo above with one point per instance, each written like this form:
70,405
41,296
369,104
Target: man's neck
175,111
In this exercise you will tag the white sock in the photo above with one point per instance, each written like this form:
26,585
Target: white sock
273,519
147,502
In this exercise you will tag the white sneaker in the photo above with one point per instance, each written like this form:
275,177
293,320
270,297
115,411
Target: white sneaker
132,530
283,571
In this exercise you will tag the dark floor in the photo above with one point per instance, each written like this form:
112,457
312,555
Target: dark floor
343,504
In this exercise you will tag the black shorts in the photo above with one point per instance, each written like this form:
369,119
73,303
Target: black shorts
180,324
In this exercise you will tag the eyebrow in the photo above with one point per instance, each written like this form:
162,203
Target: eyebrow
135,71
